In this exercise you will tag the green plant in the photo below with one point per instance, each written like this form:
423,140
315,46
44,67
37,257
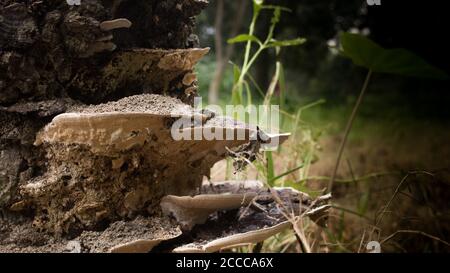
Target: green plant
243,79
376,59
301,154
241,74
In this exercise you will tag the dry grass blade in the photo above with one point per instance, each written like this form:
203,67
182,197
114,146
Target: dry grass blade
414,232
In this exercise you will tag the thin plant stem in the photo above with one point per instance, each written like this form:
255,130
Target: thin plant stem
348,129
397,191
350,180
415,232
248,47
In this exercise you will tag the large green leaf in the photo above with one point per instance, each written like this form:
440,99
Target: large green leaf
366,53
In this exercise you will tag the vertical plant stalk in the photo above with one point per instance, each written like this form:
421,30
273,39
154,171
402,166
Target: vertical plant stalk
273,84
348,129
248,47
238,85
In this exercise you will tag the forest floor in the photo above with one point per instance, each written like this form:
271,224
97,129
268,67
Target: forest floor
389,151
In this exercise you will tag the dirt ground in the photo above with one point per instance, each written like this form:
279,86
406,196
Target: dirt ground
417,158
19,236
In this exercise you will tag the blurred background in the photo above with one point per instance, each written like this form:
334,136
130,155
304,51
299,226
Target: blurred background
397,161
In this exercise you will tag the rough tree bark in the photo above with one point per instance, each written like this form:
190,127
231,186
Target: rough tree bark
53,55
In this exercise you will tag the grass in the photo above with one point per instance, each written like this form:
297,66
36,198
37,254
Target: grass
389,139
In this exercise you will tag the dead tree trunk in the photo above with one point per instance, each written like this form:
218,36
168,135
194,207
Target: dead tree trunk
54,55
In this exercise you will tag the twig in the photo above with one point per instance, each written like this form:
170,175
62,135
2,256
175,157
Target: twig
273,180
415,232
397,190
301,237
348,129
350,211
351,180
362,241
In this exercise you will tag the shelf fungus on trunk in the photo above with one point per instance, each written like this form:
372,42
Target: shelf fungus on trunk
49,49
101,149
54,55
117,160
137,71
237,213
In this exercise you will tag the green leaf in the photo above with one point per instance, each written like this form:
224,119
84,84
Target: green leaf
273,180
285,43
276,16
294,185
281,8
242,38
270,168
236,95
301,187
236,73
248,92
366,53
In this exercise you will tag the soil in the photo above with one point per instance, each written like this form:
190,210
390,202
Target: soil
20,236
147,103
422,203
124,232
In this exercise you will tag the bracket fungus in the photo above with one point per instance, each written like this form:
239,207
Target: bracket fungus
231,215
117,160
100,147
115,24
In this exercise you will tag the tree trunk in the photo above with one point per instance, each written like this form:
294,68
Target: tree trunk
89,96
54,55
